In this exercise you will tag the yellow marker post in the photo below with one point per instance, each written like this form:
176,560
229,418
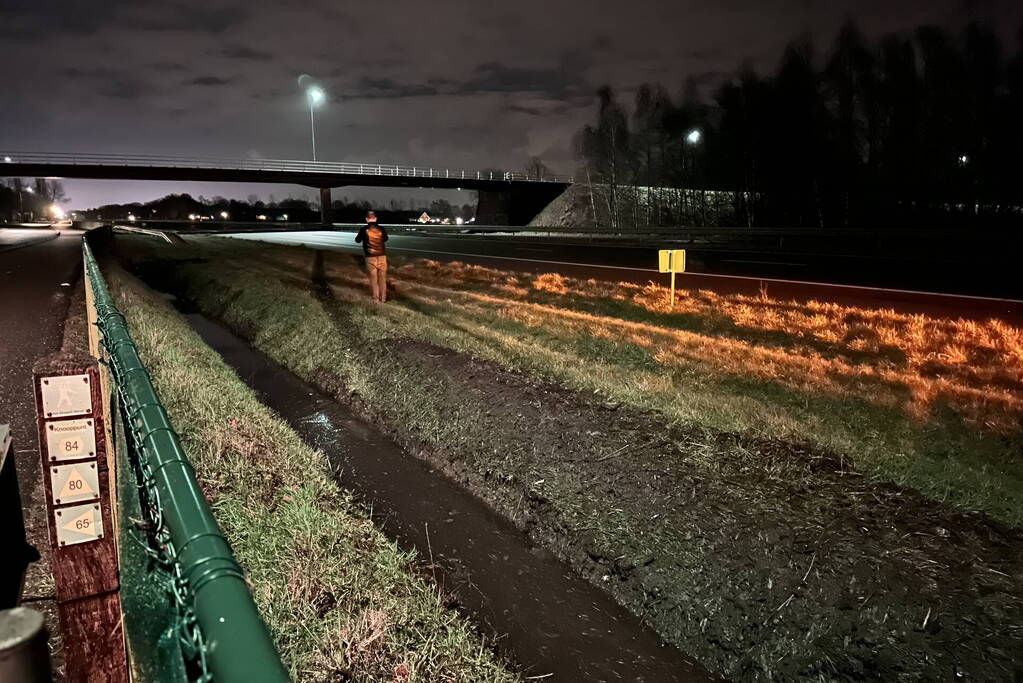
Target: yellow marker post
672,261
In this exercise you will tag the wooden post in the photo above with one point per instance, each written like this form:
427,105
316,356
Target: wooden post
73,455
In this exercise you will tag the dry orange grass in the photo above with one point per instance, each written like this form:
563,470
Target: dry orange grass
915,363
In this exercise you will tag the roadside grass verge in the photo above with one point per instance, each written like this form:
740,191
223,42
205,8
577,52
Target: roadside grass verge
932,404
750,548
342,601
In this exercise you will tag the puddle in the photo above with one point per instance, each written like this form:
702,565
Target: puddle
553,623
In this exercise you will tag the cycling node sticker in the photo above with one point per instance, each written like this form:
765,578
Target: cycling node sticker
78,524
70,439
74,483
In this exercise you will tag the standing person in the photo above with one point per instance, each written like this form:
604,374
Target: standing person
372,238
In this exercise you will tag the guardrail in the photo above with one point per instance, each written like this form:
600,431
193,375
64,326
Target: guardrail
280,165
220,632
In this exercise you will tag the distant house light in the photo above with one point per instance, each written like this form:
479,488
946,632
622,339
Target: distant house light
131,217
224,215
261,217
7,160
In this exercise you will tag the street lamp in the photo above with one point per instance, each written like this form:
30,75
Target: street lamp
694,136
315,95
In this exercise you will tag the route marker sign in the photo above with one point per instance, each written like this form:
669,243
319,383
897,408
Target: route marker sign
74,483
672,261
66,395
79,524
70,439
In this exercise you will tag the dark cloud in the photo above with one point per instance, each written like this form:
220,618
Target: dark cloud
95,72
243,52
31,19
209,80
168,66
496,77
372,88
487,78
122,89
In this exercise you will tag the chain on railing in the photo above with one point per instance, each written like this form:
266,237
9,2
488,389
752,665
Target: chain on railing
221,633
279,165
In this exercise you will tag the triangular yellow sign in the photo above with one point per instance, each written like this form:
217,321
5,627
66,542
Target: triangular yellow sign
83,524
75,485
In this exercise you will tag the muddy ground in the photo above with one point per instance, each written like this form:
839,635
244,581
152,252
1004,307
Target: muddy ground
777,562
789,566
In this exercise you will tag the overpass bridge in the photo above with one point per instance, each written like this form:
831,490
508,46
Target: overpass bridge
505,197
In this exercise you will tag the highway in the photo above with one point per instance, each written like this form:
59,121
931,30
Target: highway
874,283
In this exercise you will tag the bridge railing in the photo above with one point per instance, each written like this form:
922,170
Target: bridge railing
279,165
189,615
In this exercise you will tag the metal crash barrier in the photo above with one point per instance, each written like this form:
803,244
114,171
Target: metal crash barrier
188,612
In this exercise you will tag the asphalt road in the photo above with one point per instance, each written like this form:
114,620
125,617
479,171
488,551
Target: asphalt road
36,282
875,284
11,238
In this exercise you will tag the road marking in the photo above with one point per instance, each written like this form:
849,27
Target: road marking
864,288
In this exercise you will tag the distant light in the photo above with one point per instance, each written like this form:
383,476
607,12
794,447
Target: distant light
224,215
694,136
459,221
7,160
316,94
131,217
191,216
964,159
30,190
284,217
56,211
261,217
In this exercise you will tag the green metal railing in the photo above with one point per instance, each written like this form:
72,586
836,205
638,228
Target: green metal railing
214,621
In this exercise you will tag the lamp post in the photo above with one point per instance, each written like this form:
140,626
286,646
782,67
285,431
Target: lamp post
315,95
693,138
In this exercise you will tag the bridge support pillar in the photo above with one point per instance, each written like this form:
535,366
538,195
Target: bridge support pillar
325,206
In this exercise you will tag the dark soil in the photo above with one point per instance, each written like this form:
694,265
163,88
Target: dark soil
777,562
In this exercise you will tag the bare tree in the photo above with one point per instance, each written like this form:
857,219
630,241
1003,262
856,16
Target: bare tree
537,169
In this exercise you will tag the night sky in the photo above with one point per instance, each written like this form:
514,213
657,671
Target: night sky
457,84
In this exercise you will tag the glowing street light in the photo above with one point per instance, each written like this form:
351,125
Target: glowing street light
57,212
7,160
224,215
963,159
131,217
316,96
694,136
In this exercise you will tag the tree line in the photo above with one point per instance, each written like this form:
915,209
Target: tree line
30,200
187,207
914,129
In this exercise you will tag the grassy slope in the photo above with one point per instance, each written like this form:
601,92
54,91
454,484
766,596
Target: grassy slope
929,404
341,600
265,294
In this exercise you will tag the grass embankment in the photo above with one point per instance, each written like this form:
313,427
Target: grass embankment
928,403
665,463
342,602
